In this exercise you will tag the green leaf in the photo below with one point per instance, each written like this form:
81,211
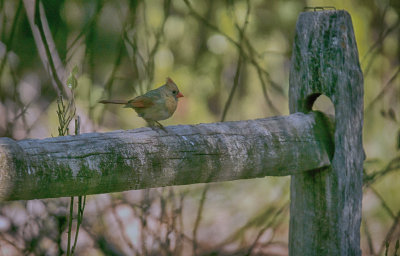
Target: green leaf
72,82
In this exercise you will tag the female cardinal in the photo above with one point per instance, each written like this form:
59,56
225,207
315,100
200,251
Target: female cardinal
154,105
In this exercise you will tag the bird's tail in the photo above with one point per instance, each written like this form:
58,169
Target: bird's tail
113,101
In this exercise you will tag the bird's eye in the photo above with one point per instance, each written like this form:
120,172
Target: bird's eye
174,92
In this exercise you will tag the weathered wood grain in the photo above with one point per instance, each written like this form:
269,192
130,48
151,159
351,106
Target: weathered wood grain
325,212
142,158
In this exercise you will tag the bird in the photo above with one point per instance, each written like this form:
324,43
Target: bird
154,105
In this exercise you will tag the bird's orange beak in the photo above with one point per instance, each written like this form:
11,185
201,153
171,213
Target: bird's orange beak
179,95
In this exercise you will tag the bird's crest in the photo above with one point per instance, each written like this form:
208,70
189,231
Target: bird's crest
170,81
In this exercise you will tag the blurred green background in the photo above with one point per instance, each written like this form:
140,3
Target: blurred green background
124,48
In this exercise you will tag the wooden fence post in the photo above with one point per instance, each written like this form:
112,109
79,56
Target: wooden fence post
325,211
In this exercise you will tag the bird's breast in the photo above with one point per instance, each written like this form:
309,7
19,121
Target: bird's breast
171,104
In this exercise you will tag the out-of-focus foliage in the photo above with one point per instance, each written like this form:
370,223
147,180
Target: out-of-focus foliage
229,57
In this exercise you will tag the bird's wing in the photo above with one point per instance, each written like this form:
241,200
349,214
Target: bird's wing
141,102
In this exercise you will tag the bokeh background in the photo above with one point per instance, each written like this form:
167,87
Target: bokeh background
231,60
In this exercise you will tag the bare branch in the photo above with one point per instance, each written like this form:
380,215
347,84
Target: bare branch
45,45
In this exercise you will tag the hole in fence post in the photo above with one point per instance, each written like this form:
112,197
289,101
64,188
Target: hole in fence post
310,101
320,102
325,111
324,105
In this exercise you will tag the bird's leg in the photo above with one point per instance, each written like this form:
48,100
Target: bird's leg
153,124
161,126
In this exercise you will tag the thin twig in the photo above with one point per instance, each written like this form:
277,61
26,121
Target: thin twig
81,207
390,232
278,213
239,63
383,203
383,91
11,37
198,218
393,165
81,203
87,28
369,238
39,24
249,57
71,212
122,229
377,45
109,83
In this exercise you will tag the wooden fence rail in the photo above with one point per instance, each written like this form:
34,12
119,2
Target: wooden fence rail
323,156
122,160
